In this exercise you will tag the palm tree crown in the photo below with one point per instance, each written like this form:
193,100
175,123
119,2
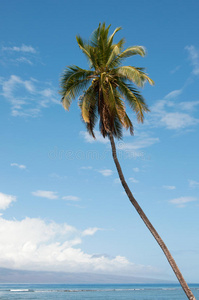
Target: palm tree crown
106,84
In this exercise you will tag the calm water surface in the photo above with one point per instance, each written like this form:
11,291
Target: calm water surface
95,292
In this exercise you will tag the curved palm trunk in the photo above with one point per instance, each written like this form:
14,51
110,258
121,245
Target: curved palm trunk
149,225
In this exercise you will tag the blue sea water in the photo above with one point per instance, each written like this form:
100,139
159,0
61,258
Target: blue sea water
95,292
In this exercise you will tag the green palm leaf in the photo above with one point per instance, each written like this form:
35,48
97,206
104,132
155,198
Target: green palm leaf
74,79
134,74
134,99
84,47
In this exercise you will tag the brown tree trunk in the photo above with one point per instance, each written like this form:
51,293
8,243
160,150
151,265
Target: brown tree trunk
149,225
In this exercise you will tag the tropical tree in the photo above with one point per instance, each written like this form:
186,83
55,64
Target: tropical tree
103,88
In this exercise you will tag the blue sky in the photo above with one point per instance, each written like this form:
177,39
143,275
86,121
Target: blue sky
61,204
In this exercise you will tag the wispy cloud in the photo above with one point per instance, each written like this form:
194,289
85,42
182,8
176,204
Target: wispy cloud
57,176
46,194
182,201
194,58
189,105
71,198
136,170
117,180
138,143
89,139
54,195
173,94
166,114
19,54
22,48
169,187
175,69
18,166
193,183
86,168
132,179
27,97
6,200
178,120
106,172
90,231
23,59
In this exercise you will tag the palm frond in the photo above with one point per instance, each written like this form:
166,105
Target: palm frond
73,81
120,107
83,46
128,124
134,99
111,103
134,74
130,51
94,39
88,100
115,51
99,41
92,120
122,115
110,39
134,50
117,132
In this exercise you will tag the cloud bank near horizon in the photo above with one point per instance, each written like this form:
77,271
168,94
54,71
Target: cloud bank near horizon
36,245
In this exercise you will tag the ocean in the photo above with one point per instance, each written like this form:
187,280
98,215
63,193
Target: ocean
95,291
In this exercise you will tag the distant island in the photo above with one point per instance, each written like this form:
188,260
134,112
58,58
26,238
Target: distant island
24,276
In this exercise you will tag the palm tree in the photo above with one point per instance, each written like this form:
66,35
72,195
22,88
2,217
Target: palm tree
103,88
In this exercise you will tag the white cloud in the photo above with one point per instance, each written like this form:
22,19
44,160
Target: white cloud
188,106
139,143
86,168
117,180
173,94
57,176
23,60
27,97
45,194
71,198
90,231
33,244
178,120
169,187
99,138
158,108
47,92
133,180
167,114
136,170
18,166
175,69
194,58
22,48
6,200
181,201
193,183
16,55
106,172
